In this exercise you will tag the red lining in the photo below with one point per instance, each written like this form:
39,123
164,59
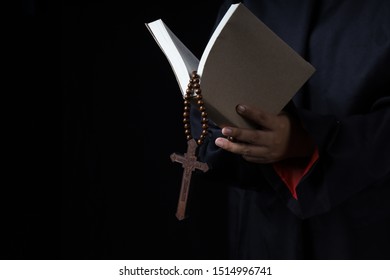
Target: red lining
292,171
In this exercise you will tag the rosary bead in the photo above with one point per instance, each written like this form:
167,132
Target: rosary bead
195,81
194,90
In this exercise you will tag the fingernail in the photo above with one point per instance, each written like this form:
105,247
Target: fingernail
220,142
240,108
226,131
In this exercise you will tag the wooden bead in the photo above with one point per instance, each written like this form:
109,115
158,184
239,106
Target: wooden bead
194,91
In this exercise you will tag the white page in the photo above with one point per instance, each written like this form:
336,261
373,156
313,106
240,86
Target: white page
214,37
181,59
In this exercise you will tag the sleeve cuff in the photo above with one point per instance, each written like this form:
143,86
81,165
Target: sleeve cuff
293,170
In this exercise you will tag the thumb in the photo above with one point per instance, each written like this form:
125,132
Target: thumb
255,115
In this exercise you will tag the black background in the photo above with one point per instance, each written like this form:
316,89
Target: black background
96,180
86,145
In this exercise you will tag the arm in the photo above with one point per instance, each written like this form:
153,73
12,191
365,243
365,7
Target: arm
354,152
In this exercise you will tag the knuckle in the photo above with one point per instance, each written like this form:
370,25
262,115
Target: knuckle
246,151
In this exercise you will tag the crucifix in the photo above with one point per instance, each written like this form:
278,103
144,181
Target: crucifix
189,160
190,164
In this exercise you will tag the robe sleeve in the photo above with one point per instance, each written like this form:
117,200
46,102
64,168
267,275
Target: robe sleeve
354,154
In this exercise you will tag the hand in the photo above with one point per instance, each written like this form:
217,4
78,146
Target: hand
279,137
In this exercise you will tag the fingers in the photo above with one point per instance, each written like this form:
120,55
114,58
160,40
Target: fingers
251,153
251,136
256,115
243,149
267,144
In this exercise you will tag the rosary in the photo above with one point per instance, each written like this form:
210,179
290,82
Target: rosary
188,160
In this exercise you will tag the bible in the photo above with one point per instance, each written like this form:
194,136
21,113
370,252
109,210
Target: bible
244,62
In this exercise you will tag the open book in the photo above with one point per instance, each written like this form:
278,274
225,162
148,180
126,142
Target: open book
244,62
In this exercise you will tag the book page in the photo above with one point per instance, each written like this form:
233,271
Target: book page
181,59
214,37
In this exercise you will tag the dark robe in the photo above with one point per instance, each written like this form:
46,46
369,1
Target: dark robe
342,210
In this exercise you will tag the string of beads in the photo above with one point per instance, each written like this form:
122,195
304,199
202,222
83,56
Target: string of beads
194,91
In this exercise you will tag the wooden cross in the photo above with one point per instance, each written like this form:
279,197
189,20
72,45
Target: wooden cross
189,163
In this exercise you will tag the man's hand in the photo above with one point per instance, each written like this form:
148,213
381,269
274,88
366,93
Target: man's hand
279,137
